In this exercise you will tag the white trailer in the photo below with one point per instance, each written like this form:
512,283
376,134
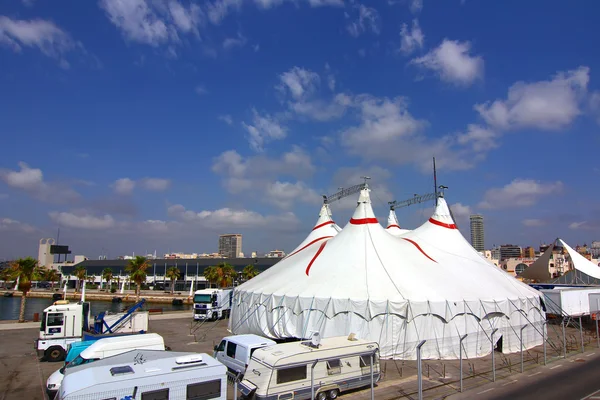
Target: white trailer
147,375
212,304
571,301
64,323
318,369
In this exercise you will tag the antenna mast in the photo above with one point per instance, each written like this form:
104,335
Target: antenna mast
435,188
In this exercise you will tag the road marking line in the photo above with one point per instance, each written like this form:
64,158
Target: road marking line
487,390
509,383
537,373
556,366
591,396
589,355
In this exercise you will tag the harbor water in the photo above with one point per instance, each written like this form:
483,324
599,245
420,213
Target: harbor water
10,306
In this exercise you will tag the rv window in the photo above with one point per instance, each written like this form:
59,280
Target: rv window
122,370
204,390
334,367
231,349
365,361
285,375
162,394
55,319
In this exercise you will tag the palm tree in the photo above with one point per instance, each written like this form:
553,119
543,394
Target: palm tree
91,279
79,273
173,274
51,275
211,274
226,274
6,275
137,272
24,270
249,272
107,274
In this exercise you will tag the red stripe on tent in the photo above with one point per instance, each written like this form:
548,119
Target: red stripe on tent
323,224
313,242
393,225
420,249
363,221
315,257
436,222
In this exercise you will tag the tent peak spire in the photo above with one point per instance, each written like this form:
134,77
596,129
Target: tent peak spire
393,220
364,211
442,216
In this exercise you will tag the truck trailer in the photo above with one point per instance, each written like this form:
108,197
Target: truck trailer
212,304
64,323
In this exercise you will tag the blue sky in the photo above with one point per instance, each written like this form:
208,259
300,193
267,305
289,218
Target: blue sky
158,124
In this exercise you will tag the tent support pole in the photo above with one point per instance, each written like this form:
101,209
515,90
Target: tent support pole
420,371
564,338
372,379
461,363
581,335
493,356
544,339
597,336
521,345
312,379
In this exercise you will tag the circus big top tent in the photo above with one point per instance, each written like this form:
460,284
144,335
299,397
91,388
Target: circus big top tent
393,226
429,284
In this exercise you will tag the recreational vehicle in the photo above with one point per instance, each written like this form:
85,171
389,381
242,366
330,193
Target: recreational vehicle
104,348
147,375
235,351
315,368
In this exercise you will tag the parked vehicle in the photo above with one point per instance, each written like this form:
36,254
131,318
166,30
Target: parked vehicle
212,304
103,348
235,351
64,323
147,374
324,368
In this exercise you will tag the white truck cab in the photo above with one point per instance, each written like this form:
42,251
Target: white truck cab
212,304
235,351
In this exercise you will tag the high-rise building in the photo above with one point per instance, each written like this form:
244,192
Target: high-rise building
528,252
230,245
477,239
509,251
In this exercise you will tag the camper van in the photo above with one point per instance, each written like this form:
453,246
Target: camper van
324,367
104,348
235,351
147,375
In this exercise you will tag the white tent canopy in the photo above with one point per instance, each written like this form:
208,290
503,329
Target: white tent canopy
393,226
324,229
429,284
581,263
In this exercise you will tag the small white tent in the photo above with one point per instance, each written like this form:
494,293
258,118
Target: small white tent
429,284
324,229
393,227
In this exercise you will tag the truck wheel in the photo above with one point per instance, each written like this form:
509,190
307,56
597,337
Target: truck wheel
333,394
54,354
321,396
214,316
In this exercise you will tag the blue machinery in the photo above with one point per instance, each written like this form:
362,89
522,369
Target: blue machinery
100,325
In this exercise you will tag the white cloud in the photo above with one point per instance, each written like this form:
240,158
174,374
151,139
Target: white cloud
229,218
218,9
200,90
226,118
263,129
411,40
124,186
388,132
43,35
10,225
153,22
31,180
155,184
461,211
416,6
349,176
480,138
82,221
519,193
368,20
533,222
453,63
285,194
238,41
321,110
547,105
299,82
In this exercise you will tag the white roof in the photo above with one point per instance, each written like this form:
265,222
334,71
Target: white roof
250,340
393,226
430,273
324,229
123,342
581,263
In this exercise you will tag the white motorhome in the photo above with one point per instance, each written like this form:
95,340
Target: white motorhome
64,323
324,367
104,348
147,375
212,304
235,351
